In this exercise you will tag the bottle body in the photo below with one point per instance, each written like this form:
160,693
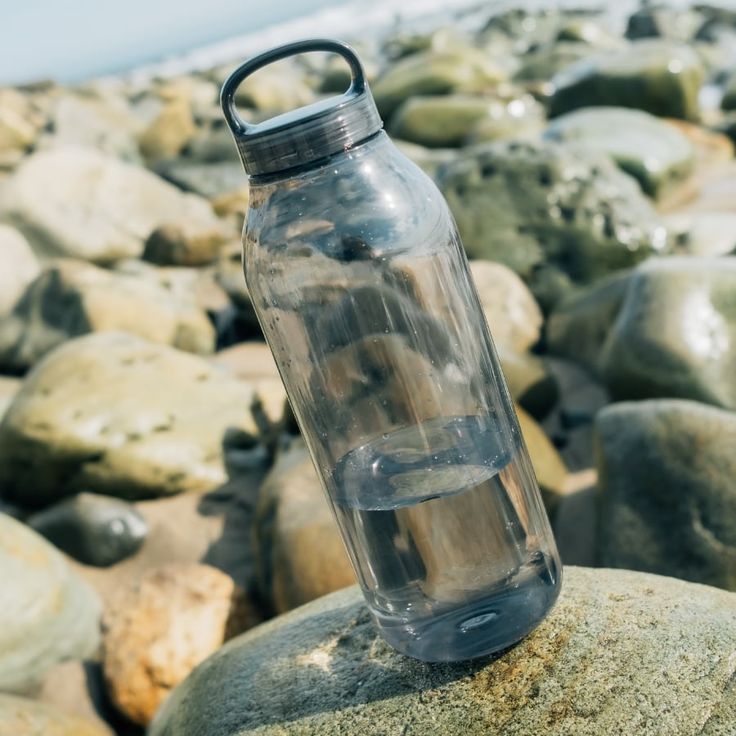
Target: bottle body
363,292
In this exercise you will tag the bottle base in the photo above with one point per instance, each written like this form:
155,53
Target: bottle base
483,627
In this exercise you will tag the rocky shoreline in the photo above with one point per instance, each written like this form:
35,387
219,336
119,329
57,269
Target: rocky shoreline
156,500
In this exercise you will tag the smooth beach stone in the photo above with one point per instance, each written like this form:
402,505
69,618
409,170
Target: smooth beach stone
549,467
518,117
169,132
25,717
435,73
513,315
253,362
47,613
658,76
9,387
579,327
299,551
527,204
429,160
19,267
675,333
704,233
103,122
540,64
439,121
127,417
668,502
206,179
728,102
186,242
621,652
653,21
78,202
19,126
529,381
162,626
96,530
275,89
654,153
72,298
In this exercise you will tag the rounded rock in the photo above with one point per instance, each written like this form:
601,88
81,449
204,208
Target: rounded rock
604,661
47,614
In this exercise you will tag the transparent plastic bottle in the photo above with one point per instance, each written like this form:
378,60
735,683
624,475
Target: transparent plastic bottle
363,291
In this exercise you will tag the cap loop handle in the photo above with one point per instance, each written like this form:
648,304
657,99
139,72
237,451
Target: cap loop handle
227,97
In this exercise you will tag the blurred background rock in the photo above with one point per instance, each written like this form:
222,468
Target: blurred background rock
155,497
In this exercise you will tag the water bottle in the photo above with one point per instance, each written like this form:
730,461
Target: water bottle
362,289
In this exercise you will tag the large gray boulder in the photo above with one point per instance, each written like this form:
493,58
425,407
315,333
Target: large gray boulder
78,202
47,613
123,416
666,479
675,334
621,653
667,329
525,204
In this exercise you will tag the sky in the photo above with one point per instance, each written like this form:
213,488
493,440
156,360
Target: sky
71,40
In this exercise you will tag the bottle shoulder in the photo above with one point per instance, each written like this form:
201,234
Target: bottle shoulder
364,203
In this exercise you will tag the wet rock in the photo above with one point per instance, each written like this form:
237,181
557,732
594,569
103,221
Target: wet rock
186,243
512,313
72,298
96,530
584,670
465,70
24,717
657,76
160,629
654,153
20,267
526,204
106,411
668,505
47,615
299,551
675,334
78,202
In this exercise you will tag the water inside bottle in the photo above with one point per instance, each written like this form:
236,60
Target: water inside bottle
451,565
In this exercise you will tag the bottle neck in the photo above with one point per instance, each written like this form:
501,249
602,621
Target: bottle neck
377,138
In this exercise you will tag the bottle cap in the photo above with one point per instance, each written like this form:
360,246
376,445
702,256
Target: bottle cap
310,133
